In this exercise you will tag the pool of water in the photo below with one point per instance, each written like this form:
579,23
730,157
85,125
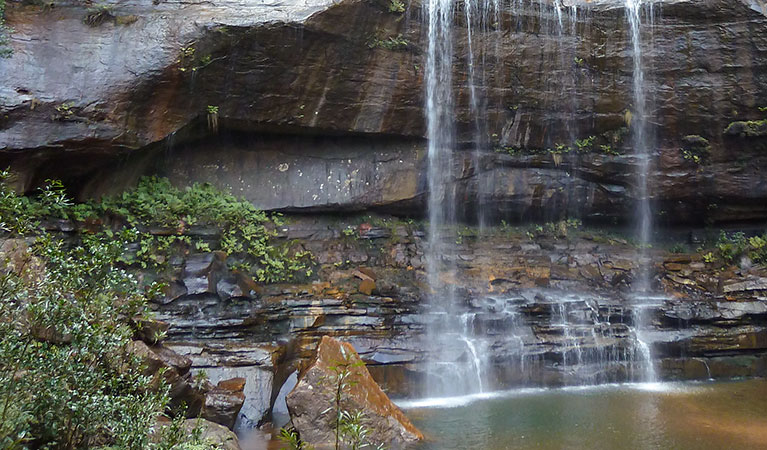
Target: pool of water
694,416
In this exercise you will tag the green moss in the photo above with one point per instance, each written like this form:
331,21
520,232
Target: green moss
695,148
751,128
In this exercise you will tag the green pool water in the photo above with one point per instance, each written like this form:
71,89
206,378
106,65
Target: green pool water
694,416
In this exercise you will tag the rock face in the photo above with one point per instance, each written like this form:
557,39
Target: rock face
315,115
516,289
312,403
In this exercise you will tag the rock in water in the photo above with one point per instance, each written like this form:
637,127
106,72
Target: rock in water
312,403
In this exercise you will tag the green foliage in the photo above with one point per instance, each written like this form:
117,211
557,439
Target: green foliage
557,230
584,145
292,440
64,111
213,117
393,43
695,148
750,128
578,61
606,143
20,215
731,247
5,50
156,203
67,379
99,14
677,248
67,376
396,6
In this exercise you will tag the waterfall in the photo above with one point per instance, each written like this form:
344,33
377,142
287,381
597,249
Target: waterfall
639,137
458,359
643,154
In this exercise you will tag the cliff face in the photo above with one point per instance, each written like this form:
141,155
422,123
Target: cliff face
315,106
326,100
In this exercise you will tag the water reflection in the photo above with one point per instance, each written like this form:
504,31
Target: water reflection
638,416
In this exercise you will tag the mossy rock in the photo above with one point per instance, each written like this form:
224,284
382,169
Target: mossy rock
751,128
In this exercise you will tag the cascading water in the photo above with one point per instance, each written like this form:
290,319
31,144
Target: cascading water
463,374
643,154
589,346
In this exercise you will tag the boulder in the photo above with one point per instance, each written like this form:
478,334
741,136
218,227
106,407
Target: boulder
217,436
312,403
175,374
223,405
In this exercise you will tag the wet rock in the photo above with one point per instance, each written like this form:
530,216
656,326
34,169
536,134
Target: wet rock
200,272
311,401
228,287
252,404
171,291
222,406
758,284
375,157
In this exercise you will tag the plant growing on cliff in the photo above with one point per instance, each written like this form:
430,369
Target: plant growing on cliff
396,6
5,50
155,202
99,14
213,118
737,245
68,378
392,43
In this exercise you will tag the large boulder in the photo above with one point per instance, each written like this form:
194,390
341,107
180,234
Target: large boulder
224,401
312,403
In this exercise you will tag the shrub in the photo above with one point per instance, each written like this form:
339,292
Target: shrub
67,377
155,202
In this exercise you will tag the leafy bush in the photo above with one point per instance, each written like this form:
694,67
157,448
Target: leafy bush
67,376
393,43
731,247
67,379
155,202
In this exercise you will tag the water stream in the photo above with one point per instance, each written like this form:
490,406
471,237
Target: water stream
588,345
